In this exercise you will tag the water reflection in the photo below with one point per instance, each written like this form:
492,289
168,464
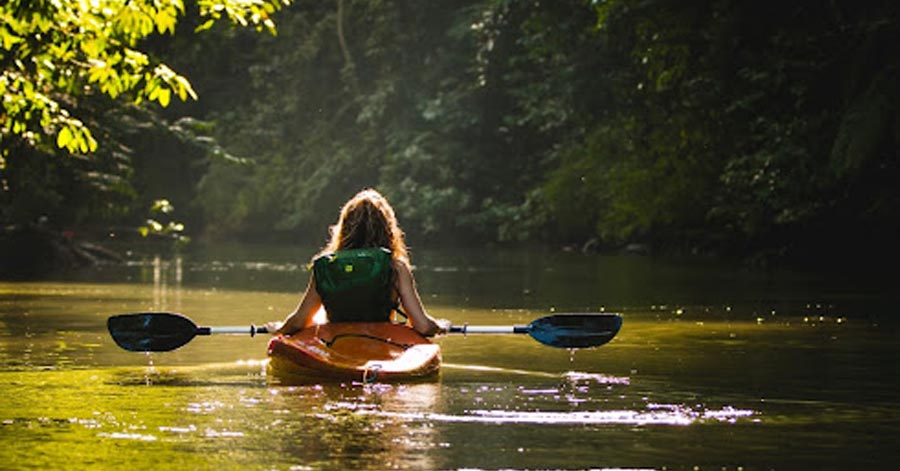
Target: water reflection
534,279
233,407
324,424
168,276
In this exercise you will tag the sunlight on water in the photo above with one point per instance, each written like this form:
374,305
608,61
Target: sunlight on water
128,436
658,414
493,369
575,376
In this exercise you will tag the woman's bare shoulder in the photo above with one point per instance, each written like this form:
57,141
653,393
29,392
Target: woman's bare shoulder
403,270
400,264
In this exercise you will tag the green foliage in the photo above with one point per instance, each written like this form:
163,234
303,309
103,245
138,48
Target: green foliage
162,209
76,78
256,13
732,136
359,113
436,104
54,52
696,126
717,126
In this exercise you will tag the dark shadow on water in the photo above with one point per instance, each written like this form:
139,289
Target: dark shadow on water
190,377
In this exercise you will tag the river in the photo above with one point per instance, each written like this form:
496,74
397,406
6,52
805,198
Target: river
717,367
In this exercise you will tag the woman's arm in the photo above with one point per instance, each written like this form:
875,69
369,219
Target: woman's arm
303,313
412,304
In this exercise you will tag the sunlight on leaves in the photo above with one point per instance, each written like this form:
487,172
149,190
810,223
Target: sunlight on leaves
54,53
170,229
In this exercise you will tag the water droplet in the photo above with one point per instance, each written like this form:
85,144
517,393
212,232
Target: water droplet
148,374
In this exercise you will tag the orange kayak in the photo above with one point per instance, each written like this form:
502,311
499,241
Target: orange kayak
361,351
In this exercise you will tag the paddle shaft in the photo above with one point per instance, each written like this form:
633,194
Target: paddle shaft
252,330
464,329
489,329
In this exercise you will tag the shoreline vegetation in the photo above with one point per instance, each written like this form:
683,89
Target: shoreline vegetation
34,251
764,134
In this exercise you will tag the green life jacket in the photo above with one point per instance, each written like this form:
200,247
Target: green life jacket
355,285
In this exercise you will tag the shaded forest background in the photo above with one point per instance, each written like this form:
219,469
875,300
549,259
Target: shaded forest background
757,130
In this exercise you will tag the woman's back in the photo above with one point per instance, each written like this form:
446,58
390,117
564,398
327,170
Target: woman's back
356,285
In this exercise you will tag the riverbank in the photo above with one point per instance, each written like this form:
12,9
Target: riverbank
32,250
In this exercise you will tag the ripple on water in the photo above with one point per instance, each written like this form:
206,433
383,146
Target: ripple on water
655,414
128,436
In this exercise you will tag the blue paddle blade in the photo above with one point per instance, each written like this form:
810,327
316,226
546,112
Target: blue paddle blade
151,331
575,330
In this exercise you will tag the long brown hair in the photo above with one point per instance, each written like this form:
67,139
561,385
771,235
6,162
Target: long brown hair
367,221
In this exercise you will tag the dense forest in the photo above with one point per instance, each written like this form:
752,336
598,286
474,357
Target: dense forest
760,130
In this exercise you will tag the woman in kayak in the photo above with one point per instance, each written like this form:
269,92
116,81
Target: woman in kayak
363,273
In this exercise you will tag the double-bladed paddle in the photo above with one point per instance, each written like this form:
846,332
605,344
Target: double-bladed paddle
165,331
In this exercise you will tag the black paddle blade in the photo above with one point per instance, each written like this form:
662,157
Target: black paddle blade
575,330
151,331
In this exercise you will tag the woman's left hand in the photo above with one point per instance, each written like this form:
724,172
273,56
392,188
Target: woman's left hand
273,327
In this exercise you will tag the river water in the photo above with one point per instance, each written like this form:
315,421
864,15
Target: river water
716,368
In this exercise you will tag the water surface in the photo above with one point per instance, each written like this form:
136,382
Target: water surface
716,367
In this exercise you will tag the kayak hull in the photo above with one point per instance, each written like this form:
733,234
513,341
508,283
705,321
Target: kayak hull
356,351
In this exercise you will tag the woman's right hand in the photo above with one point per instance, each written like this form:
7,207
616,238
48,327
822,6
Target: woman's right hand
443,326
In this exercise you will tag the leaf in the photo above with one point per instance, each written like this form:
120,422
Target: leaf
205,26
184,88
162,206
64,137
91,142
83,144
165,95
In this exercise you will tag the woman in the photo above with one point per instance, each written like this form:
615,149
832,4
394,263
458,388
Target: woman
366,235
